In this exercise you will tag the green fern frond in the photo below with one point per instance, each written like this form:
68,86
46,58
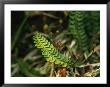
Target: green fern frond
49,52
77,28
95,16
92,22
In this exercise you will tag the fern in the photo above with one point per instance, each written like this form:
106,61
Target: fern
82,24
92,22
77,28
95,17
49,52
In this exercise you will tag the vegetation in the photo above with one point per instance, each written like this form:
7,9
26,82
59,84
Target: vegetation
55,44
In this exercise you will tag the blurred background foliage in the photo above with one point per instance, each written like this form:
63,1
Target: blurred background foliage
28,61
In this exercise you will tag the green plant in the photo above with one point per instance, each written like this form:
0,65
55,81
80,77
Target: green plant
77,28
50,52
84,25
68,44
82,30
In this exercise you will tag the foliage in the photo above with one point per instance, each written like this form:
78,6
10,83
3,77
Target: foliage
66,44
77,28
50,52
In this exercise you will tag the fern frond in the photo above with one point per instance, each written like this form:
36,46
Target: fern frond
49,52
92,22
95,16
77,28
